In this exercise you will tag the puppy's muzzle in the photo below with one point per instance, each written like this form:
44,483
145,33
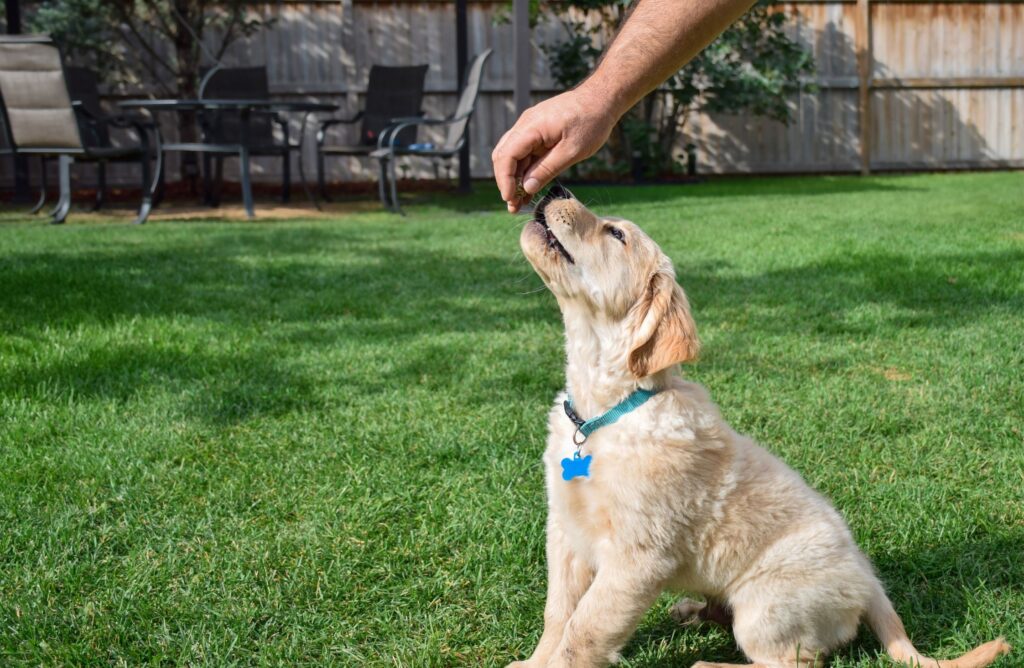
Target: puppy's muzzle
556,193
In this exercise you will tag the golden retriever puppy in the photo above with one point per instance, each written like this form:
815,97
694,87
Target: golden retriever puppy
649,489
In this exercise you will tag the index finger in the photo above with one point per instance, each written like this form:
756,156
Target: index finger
513,148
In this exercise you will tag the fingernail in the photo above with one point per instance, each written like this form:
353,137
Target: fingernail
531,185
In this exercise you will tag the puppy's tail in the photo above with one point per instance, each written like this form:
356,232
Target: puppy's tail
886,624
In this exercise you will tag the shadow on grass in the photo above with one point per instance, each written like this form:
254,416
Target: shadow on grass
932,587
939,291
269,296
383,292
393,292
272,291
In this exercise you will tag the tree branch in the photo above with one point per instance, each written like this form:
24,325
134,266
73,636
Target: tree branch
169,30
228,38
142,42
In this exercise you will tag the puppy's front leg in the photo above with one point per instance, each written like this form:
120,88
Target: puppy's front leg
568,580
606,616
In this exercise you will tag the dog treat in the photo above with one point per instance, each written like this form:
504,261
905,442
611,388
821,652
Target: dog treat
520,190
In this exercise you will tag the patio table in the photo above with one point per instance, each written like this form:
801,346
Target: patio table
244,109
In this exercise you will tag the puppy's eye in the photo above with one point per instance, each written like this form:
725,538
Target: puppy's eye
617,233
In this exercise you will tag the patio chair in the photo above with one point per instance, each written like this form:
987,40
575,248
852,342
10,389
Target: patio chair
242,83
94,125
390,145
41,119
391,93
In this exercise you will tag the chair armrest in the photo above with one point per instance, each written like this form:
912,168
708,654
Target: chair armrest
119,120
390,133
129,120
324,124
424,120
404,121
282,123
413,119
139,124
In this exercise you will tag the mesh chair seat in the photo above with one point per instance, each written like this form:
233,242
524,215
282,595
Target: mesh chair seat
94,126
391,92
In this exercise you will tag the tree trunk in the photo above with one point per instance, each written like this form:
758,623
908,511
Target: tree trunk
186,52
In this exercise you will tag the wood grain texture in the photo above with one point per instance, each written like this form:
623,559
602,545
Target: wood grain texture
863,43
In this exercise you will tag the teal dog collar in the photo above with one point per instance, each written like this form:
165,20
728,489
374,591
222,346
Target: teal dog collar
579,467
584,428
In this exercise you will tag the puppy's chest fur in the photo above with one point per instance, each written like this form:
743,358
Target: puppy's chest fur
582,506
631,499
673,483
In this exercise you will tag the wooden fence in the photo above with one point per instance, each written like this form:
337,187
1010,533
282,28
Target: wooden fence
902,84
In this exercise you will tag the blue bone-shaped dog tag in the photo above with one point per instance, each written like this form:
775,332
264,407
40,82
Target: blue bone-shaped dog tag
577,467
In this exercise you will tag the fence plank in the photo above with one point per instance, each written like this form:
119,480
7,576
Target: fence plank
864,68
945,82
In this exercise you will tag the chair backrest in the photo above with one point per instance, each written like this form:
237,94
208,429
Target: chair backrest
237,83
35,94
467,101
84,88
392,92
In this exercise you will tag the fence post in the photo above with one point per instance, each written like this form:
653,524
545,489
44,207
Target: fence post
461,61
864,67
522,58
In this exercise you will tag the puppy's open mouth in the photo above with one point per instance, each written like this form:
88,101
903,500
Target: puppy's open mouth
553,241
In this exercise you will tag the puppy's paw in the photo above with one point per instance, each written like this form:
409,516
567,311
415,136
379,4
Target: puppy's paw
520,664
687,612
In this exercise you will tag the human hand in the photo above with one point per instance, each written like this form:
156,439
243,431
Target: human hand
549,138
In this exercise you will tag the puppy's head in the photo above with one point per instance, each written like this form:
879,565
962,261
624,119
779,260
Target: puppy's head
607,270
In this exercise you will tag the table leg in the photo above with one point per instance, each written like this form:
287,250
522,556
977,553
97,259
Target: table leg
243,159
243,156
302,165
42,187
60,213
151,190
101,185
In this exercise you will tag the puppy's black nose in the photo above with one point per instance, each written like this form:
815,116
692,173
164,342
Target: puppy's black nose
556,191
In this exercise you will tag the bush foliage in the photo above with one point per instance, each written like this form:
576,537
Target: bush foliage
753,67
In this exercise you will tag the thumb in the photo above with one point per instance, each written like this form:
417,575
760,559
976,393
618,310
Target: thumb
550,165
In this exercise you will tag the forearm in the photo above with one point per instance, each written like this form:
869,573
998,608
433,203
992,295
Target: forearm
655,41
658,38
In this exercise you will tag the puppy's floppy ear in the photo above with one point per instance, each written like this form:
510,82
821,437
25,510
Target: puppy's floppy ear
665,333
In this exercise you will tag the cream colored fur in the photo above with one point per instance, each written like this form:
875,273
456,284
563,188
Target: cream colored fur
676,499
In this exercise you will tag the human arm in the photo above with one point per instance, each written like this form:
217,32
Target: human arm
657,38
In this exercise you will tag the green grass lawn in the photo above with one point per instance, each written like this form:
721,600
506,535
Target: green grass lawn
318,442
